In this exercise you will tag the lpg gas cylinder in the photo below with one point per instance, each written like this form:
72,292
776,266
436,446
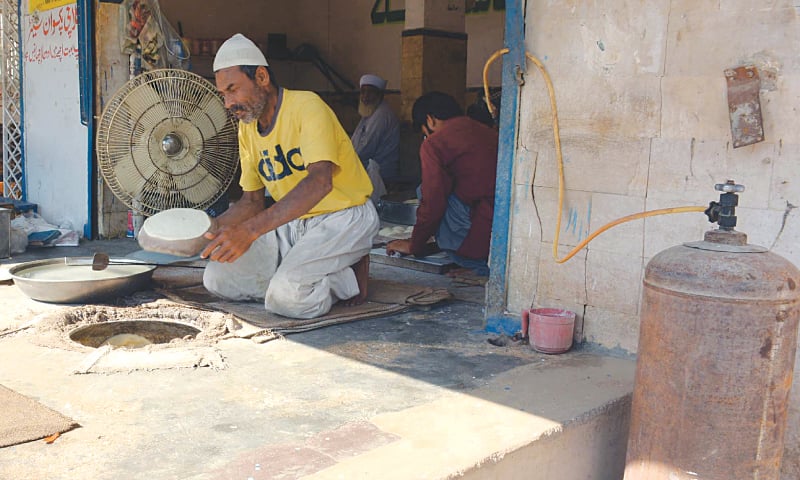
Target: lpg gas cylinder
717,344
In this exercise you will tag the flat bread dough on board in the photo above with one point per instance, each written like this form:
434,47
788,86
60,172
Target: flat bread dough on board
177,231
400,231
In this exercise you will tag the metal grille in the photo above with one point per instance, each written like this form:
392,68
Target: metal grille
13,181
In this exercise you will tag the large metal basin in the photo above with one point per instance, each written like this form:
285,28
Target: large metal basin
53,281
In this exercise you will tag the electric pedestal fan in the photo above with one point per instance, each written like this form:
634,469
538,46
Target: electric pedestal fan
166,141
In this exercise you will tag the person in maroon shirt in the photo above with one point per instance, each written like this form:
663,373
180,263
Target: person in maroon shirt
458,156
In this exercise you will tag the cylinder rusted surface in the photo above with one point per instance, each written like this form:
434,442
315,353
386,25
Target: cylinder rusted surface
714,369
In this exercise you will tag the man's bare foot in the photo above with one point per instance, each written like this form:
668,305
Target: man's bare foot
361,269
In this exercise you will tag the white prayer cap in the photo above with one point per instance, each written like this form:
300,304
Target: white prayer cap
373,80
238,50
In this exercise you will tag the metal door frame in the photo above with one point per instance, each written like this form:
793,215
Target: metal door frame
11,88
86,79
514,65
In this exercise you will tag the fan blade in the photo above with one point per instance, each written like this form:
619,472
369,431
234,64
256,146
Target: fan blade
132,175
210,117
198,186
127,178
144,105
159,192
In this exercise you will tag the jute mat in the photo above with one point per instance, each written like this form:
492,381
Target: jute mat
385,298
24,419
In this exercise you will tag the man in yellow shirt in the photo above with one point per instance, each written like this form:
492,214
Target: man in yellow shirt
311,248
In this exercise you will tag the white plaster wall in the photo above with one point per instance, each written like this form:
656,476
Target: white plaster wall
485,34
644,125
341,30
444,15
357,46
55,140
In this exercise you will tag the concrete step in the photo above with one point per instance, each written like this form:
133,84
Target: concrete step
560,419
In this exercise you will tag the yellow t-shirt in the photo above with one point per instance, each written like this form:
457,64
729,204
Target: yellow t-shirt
305,130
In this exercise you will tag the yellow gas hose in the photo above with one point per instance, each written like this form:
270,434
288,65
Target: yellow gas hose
557,138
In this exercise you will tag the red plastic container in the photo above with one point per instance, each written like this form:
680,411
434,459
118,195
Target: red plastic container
550,330
129,232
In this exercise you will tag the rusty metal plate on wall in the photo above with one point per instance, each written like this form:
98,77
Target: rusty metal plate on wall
744,105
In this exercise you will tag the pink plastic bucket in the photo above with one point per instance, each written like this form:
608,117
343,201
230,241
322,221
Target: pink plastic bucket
550,330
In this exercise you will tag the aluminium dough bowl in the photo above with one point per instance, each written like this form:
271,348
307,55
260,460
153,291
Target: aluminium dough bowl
176,231
53,281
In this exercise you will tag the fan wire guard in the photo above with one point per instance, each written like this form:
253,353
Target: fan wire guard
166,141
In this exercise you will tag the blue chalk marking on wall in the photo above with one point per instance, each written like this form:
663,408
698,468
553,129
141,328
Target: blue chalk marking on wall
588,219
572,221
576,224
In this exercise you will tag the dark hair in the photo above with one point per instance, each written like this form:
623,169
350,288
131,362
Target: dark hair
480,112
250,71
436,104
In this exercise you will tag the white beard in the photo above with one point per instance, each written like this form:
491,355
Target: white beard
250,111
367,110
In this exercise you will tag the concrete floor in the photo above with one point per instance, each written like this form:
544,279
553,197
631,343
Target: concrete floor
420,394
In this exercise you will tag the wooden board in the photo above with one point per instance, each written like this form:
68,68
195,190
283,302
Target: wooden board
431,264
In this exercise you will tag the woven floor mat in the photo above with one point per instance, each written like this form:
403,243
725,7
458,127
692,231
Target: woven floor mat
385,298
24,419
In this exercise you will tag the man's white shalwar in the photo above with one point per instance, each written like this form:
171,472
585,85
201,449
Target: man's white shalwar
302,268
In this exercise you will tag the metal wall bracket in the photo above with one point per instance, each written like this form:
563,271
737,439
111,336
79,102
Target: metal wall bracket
744,105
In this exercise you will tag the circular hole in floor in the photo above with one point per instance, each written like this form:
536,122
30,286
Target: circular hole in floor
131,333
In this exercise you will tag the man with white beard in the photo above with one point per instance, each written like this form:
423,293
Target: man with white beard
311,248
377,136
